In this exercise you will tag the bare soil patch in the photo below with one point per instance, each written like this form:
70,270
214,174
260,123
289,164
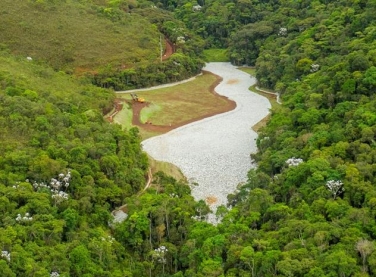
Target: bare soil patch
232,81
169,50
210,200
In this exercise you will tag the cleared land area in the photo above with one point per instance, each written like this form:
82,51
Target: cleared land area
167,108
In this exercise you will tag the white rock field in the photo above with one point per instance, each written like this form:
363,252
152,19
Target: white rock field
215,152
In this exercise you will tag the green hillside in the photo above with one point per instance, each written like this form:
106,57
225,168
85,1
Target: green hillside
307,210
77,36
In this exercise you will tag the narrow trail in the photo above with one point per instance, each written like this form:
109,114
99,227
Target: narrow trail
118,106
121,212
148,183
272,93
170,49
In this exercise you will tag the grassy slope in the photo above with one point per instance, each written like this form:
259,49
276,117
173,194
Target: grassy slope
46,83
75,36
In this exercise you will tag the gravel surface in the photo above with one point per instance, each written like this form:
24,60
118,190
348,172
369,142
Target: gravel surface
215,152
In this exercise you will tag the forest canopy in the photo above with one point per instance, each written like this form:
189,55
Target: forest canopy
307,210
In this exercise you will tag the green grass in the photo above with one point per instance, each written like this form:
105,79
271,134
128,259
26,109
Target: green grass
75,35
148,112
46,83
124,117
182,102
167,168
216,55
249,70
176,105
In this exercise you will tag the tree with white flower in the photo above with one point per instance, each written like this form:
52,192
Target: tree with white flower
25,218
294,161
160,256
54,274
56,186
5,255
59,196
314,67
109,239
335,187
282,31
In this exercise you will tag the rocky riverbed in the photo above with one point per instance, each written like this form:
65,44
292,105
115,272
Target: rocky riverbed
215,152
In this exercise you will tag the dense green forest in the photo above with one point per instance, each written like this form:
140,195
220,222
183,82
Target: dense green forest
307,210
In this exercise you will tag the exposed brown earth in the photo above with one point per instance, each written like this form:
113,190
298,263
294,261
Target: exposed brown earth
169,50
210,200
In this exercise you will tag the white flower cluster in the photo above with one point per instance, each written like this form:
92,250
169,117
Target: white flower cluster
282,31
161,249
110,239
160,253
38,186
55,187
196,8
54,274
24,218
294,161
314,67
335,186
196,217
180,39
6,255
59,196
63,180
173,195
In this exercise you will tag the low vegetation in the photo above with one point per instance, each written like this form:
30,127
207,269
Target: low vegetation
216,55
76,36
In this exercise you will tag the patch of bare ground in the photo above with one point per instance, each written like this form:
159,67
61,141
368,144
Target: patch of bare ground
210,200
232,81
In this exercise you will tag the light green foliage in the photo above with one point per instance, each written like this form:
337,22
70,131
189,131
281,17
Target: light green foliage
76,36
216,55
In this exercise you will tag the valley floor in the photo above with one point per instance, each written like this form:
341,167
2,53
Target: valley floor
215,152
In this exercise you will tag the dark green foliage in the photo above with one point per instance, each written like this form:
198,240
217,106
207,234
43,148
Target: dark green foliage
284,221
178,67
46,132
